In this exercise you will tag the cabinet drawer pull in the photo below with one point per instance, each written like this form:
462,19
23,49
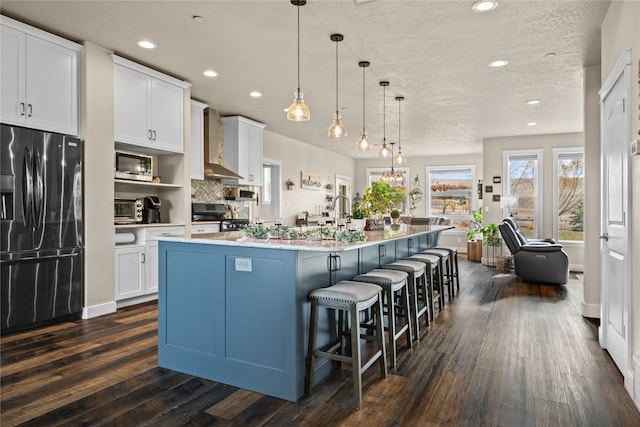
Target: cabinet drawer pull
154,135
142,257
30,110
22,109
149,134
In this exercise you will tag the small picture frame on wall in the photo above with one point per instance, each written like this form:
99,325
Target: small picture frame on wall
497,180
496,197
488,188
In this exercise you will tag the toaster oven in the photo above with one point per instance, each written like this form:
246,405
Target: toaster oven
127,211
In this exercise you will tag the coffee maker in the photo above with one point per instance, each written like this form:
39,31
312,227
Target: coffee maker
151,211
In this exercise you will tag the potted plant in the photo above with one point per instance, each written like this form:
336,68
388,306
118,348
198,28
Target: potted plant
474,237
380,199
395,216
290,184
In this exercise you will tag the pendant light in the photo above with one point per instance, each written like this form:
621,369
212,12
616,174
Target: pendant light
363,143
392,177
298,111
400,160
337,128
384,150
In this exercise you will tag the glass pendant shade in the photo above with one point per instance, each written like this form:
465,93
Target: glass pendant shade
298,111
400,160
337,128
363,143
384,150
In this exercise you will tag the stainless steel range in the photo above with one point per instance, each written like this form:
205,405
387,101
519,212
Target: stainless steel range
216,212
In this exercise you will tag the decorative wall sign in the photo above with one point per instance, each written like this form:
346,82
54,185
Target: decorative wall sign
488,188
497,180
496,197
310,181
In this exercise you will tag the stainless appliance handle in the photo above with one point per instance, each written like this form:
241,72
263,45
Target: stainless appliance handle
37,258
38,196
27,188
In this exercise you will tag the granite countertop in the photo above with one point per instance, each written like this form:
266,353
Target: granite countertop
237,238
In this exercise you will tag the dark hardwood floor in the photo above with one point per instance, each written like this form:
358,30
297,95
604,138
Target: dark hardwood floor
503,353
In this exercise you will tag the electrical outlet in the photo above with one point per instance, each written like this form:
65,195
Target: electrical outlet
244,264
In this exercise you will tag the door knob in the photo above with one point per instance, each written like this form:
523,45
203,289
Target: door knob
604,236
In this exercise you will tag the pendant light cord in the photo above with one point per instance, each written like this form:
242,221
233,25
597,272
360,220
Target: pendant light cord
298,51
384,114
399,122
363,115
337,77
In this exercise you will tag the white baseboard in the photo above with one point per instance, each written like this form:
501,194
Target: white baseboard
591,310
98,310
576,268
137,300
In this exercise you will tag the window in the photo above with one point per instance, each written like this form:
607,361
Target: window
523,183
266,184
568,183
450,193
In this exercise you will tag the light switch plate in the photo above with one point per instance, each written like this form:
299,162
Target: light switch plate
244,264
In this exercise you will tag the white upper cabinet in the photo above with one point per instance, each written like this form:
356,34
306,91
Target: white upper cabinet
197,139
39,79
149,109
242,146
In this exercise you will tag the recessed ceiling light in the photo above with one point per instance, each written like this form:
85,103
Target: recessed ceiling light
255,94
533,101
484,5
499,63
531,124
146,44
210,73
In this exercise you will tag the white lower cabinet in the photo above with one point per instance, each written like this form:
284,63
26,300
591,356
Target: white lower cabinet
136,266
130,271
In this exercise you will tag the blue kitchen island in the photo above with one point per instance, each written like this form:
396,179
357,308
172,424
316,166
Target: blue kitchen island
235,310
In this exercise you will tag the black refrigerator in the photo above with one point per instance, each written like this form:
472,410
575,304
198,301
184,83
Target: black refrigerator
40,228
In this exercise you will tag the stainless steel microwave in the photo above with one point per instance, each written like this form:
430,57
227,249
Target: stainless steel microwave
127,211
133,166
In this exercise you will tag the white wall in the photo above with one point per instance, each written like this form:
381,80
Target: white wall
591,289
492,159
621,30
297,156
96,130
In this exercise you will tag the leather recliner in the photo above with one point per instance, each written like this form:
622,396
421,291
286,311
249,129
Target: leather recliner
524,239
541,262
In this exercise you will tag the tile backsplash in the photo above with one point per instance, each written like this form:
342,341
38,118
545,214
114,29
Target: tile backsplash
212,191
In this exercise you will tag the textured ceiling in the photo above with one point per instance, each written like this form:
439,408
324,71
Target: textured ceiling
434,53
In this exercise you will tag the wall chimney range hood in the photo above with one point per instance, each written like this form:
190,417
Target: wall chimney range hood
213,145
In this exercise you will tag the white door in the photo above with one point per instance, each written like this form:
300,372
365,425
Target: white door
615,282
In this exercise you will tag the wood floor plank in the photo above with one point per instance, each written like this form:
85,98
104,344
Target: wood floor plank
501,353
